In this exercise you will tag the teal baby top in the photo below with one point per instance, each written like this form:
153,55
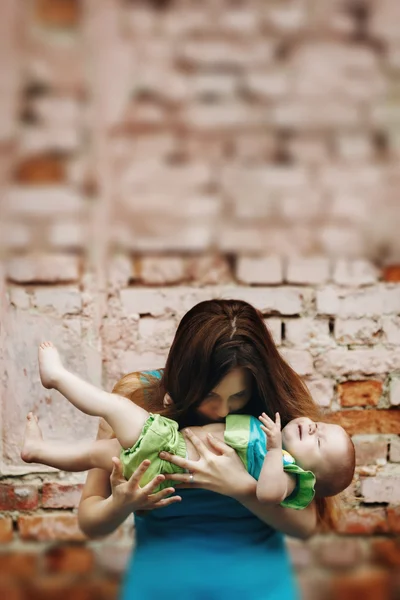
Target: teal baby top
244,434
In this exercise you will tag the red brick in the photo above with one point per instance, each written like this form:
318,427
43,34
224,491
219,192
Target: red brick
18,497
18,564
10,590
6,530
393,516
386,552
40,170
58,13
367,421
363,521
50,527
60,587
69,559
391,273
338,552
59,495
360,393
367,583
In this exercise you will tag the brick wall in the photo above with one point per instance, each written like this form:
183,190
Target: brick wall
155,154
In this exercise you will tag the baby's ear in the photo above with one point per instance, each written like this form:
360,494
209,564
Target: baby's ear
167,400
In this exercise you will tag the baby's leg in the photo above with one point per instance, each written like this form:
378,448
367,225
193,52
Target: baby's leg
75,456
125,417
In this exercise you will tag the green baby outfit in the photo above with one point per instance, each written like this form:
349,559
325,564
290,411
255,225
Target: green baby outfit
242,432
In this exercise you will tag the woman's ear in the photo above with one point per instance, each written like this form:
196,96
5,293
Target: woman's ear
167,400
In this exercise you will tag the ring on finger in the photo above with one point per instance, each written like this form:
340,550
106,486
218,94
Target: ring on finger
191,477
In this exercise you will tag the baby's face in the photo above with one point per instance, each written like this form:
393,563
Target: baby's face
315,445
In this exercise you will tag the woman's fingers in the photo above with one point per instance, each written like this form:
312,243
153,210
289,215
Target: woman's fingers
218,445
175,460
196,441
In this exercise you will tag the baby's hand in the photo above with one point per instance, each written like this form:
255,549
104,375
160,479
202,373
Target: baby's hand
273,430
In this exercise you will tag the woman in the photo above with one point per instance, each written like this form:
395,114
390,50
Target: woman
219,541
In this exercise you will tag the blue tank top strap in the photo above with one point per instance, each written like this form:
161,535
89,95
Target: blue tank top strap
154,373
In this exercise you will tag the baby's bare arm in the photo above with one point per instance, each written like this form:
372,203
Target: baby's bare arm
273,485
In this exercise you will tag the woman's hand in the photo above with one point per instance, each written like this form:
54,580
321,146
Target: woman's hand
220,470
129,495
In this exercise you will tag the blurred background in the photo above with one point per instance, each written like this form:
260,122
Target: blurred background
157,153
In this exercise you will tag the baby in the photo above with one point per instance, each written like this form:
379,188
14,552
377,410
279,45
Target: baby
290,465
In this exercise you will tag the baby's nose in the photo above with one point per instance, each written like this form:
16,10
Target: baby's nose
312,428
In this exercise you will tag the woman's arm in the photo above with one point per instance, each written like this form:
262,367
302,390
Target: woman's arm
296,523
107,501
222,471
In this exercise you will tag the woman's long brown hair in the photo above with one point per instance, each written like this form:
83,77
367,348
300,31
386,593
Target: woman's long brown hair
213,338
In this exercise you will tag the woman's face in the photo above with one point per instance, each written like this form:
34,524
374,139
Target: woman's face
229,396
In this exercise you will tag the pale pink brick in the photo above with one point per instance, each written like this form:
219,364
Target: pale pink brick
121,270
162,301
152,176
132,361
355,272
395,391
113,557
217,85
300,553
322,391
51,268
259,269
394,450
275,328
300,360
306,332
267,85
334,363
357,331
41,201
161,270
16,236
282,300
156,333
50,138
384,487
239,21
308,149
57,109
68,235
61,495
289,18
19,297
381,299
228,116
355,147
209,269
61,301
337,240
307,115
206,53
391,329
370,449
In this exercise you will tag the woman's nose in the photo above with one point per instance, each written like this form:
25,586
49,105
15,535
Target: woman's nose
223,410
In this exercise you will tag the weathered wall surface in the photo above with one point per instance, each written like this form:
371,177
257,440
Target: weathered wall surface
155,154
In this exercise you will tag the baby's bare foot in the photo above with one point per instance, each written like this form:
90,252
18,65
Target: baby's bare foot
32,439
50,365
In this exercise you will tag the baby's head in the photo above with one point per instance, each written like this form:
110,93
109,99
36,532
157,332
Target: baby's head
323,448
